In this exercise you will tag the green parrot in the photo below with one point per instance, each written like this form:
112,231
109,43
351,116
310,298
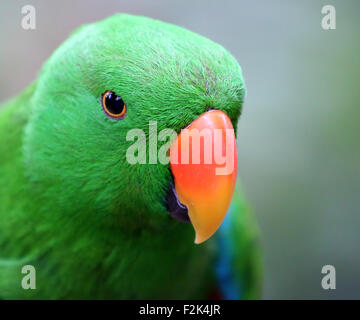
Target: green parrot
91,224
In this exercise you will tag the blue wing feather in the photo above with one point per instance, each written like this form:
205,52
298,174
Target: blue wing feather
228,282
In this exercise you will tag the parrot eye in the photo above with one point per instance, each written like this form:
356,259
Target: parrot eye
113,105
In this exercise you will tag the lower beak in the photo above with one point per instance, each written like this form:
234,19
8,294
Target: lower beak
203,160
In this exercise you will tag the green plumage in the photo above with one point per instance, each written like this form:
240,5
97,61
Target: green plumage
93,225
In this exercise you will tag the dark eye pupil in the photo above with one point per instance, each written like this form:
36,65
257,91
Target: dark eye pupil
114,103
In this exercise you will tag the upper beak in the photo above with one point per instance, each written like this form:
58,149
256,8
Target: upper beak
203,160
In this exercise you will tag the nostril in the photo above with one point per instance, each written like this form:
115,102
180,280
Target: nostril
210,108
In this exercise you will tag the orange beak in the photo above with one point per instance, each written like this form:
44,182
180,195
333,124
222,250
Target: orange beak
203,160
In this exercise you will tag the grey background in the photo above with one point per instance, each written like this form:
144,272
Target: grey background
298,140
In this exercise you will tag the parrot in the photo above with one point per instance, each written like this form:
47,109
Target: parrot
78,219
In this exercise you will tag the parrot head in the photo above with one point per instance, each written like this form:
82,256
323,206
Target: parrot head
99,106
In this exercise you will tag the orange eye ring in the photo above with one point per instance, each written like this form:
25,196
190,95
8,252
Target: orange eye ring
113,106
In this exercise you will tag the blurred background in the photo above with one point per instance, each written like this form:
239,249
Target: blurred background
299,135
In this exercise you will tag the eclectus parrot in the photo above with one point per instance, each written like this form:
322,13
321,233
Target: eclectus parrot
91,223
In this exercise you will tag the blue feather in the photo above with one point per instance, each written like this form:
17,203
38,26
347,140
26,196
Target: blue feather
229,284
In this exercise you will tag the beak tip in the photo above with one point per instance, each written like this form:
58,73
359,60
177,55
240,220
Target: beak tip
200,239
